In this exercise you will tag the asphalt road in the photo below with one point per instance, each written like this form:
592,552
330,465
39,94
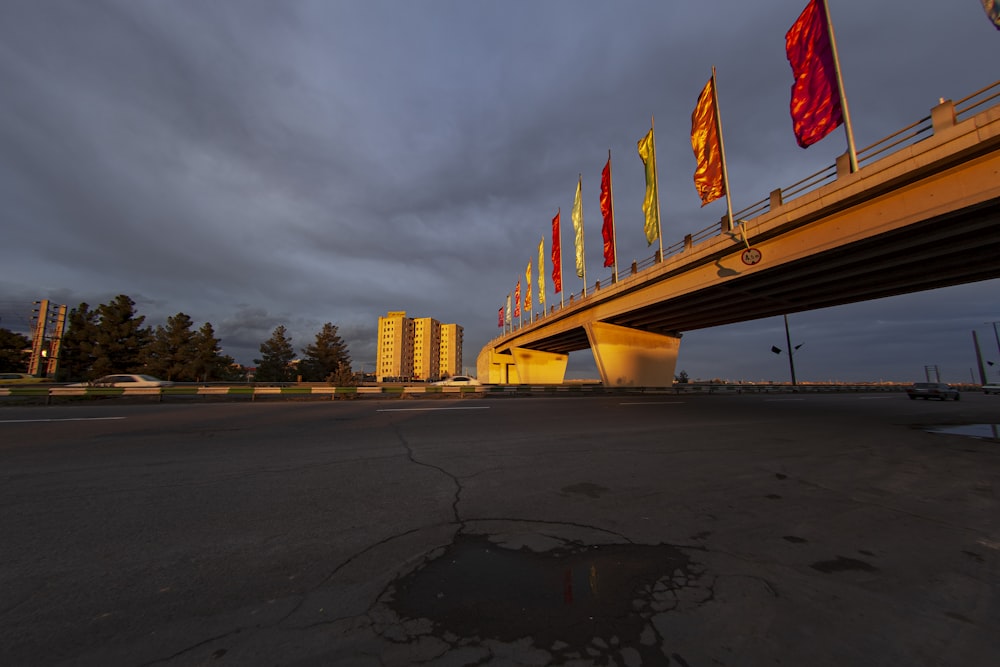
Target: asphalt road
654,530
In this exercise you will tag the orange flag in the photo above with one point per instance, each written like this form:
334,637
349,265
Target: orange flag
707,148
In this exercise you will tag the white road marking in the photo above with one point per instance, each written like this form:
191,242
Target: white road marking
485,407
655,403
69,419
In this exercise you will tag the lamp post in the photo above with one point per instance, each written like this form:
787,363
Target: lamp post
791,351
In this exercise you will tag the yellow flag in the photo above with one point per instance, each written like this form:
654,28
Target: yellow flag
650,204
707,147
577,216
541,273
527,289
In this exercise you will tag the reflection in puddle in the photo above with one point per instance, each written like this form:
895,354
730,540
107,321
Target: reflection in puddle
984,431
571,602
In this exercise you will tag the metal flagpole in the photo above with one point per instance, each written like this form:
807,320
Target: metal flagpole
611,202
722,149
848,128
656,179
583,246
520,310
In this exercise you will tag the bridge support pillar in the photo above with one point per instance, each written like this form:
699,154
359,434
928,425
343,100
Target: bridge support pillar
535,367
494,368
633,358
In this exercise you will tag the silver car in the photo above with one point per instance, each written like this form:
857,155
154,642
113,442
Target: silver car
938,390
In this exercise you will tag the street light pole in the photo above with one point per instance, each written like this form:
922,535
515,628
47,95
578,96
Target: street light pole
791,355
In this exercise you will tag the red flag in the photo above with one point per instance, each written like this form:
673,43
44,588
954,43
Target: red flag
607,210
500,317
816,108
517,300
556,255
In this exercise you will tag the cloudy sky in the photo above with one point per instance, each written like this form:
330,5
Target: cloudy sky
257,163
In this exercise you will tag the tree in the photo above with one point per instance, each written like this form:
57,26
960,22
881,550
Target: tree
208,362
120,338
76,354
324,357
171,352
343,376
276,355
12,347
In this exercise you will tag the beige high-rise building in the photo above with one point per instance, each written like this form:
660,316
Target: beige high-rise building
426,348
451,349
394,360
417,348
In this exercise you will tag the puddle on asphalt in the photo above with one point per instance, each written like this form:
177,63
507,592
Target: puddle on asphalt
580,601
982,431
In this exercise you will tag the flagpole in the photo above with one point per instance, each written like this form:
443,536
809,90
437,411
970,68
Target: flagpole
583,245
848,128
611,197
534,298
722,147
541,276
656,179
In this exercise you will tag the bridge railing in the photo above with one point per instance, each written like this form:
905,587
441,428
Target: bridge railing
907,136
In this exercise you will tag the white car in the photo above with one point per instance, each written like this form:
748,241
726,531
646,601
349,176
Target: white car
458,381
125,380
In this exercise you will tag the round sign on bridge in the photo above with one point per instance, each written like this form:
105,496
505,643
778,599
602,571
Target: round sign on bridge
751,256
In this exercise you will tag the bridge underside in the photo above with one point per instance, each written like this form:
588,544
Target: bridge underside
947,250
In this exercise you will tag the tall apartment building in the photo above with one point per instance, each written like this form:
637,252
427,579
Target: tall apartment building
451,350
394,360
417,348
426,348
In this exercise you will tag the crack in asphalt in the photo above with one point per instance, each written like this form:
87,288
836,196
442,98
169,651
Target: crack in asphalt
457,497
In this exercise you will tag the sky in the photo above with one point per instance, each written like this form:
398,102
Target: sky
255,164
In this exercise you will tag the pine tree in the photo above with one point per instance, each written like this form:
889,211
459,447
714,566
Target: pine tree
276,354
208,362
170,353
120,338
76,354
12,346
324,358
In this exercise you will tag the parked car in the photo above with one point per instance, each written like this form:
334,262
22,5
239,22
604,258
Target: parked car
125,380
20,378
458,381
991,388
938,390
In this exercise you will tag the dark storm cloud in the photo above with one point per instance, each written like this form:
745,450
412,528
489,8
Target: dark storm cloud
257,163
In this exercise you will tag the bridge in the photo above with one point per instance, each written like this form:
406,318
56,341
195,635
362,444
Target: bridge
922,211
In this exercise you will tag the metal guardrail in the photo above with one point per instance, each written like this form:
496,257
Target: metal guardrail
907,136
252,393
